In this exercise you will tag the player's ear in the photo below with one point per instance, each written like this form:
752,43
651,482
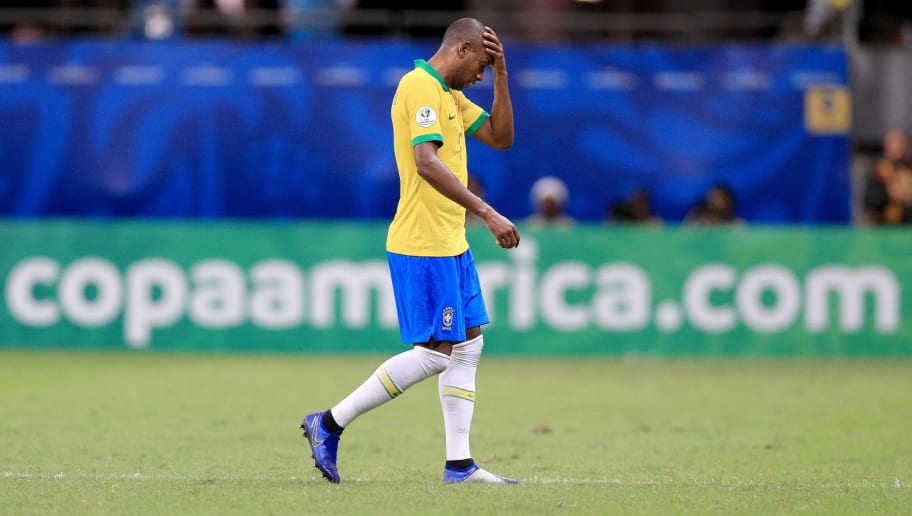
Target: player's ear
465,48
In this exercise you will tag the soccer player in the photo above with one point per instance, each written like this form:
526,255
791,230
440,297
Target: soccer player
438,297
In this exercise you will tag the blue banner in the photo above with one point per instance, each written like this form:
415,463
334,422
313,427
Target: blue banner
223,129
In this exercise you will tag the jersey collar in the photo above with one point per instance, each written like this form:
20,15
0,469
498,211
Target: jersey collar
421,63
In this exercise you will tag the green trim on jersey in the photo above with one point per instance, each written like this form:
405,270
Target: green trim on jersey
421,63
478,123
428,138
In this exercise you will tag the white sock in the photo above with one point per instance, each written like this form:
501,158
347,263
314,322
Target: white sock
390,380
456,387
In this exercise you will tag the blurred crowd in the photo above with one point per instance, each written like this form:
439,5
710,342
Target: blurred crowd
549,197
886,196
886,193
543,20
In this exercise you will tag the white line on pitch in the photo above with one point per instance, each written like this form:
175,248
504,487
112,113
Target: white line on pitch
737,483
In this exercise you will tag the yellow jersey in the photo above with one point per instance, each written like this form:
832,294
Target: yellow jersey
426,110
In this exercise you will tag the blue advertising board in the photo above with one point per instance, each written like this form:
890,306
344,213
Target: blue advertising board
219,129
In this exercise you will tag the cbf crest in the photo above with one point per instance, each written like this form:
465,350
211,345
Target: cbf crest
448,318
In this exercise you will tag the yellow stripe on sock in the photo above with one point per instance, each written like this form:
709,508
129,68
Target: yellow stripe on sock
456,392
391,388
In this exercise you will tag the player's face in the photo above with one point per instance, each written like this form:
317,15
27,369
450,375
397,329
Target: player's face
473,70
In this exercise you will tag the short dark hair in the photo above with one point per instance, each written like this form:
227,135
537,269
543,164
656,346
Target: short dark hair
463,29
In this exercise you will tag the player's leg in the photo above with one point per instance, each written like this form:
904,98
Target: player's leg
392,378
323,429
456,385
422,295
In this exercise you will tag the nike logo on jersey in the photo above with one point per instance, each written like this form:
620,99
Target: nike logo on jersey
451,116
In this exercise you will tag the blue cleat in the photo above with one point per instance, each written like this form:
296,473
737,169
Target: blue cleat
474,473
324,445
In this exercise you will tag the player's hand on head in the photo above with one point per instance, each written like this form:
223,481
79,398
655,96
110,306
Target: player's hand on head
495,50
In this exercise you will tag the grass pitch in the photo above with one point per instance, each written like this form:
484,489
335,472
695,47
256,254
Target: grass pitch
141,433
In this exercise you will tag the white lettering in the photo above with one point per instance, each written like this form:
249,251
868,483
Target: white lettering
493,276
567,296
749,298
850,286
623,298
556,311
357,282
218,295
697,289
277,300
73,289
20,292
522,291
147,310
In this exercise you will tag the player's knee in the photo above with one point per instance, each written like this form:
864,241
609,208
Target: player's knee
468,352
443,347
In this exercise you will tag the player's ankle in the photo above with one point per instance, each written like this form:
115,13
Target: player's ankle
329,423
460,464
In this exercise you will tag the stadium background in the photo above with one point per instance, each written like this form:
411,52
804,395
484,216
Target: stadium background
213,178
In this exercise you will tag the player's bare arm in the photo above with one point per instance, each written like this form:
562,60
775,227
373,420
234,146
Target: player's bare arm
432,170
497,131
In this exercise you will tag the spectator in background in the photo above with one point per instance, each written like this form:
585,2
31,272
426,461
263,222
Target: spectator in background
24,31
311,20
234,18
95,12
635,209
823,19
899,196
156,19
549,196
896,154
717,207
393,21
27,33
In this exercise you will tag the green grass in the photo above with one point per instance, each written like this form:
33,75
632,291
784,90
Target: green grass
140,433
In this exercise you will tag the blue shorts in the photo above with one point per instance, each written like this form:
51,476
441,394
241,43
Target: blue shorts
436,297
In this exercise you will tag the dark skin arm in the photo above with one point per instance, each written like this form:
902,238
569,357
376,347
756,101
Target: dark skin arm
432,170
497,131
